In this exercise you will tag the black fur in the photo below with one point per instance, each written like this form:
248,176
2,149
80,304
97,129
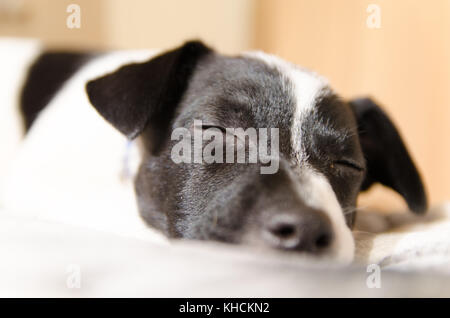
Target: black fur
146,93
388,160
45,77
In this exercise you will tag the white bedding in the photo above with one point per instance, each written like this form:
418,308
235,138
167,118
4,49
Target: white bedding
51,259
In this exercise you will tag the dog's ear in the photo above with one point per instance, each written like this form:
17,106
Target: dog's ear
143,95
388,160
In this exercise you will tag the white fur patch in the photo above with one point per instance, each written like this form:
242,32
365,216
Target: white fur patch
69,166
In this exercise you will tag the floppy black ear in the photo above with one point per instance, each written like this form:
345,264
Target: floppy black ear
146,94
388,160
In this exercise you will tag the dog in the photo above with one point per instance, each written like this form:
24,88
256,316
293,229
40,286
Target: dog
328,149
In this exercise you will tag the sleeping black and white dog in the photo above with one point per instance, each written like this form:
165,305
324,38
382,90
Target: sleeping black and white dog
326,150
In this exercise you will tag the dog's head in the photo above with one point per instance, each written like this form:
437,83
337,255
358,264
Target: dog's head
325,152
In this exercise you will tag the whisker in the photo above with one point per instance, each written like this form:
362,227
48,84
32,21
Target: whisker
363,232
354,209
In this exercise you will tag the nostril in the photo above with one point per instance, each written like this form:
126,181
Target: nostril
323,241
283,231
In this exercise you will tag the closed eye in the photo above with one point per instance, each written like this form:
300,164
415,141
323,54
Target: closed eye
205,127
347,163
227,133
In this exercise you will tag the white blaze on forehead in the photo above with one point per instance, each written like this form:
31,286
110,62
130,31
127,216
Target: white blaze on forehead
312,187
306,87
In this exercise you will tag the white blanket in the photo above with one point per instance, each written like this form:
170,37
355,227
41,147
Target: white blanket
51,259
404,241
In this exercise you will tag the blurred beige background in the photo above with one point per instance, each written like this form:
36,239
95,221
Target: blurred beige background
405,63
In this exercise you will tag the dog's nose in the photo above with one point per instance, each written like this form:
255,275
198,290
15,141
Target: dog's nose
309,231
